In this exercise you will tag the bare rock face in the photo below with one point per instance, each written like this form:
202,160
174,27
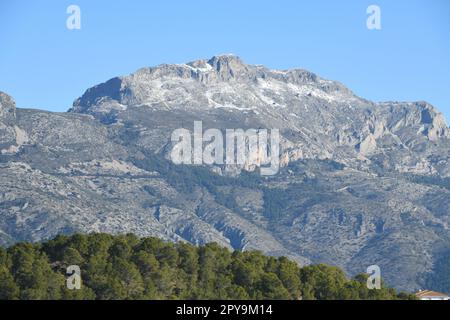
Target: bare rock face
7,118
361,183
228,67
7,107
434,122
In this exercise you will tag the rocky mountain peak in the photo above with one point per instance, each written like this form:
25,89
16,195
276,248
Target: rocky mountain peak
226,83
228,66
7,106
109,91
198,81
435,120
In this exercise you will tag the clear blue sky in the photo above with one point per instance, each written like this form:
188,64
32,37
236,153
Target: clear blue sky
44,65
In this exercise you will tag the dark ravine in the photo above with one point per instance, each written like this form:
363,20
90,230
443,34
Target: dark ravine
361,183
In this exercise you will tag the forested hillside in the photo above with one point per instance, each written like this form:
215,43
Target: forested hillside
128,267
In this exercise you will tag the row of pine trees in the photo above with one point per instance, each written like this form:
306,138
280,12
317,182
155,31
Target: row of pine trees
128,267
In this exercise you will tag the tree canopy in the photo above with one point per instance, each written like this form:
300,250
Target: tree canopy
128,267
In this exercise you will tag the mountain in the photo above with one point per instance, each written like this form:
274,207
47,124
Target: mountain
360,183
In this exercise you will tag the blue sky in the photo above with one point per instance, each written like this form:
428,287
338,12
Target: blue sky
44,65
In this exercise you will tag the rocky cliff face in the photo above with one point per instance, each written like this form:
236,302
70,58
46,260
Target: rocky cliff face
361,183
10,135
7,107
